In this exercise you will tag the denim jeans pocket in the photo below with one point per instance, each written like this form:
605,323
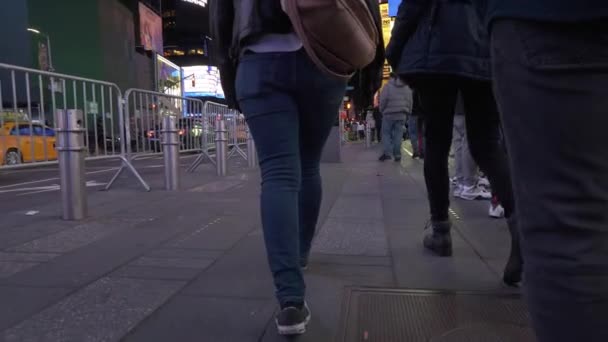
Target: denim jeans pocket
563,46
256,74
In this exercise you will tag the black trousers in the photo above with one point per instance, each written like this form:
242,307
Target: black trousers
552,88
438,99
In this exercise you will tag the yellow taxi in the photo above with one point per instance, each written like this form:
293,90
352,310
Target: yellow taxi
26,142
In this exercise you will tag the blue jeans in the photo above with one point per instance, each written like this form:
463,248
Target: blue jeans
290,107
413,124
392,137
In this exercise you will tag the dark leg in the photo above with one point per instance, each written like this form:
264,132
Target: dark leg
552,88
438,100
484,136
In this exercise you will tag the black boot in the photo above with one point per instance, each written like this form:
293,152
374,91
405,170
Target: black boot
440,240
384,157
514,267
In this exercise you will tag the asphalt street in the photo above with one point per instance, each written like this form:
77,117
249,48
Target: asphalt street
26,189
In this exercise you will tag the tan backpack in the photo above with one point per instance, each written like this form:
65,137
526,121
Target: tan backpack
340,36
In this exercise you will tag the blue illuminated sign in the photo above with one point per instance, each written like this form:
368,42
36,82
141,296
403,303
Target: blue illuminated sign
393,7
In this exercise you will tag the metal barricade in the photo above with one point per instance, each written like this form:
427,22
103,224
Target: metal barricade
239,131
31,100
144,113
211,114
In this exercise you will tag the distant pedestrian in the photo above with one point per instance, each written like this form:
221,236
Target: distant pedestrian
466,177
415,126
395,105
361,130
371,122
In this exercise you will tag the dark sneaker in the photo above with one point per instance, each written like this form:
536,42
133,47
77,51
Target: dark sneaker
415,156
440,240
293,320
304,265
397,159
384,157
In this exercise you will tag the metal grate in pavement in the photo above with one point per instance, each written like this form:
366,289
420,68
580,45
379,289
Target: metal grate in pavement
384,315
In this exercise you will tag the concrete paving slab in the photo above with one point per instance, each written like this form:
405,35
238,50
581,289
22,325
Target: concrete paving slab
408,244
463,273
318,258
27,257
159,273
101,257
365,207
191,318
76,237
8,268
220,233
185,253
172,262
358,236
242,272
20,302
103,311
361,186
17,235
490,239
402,213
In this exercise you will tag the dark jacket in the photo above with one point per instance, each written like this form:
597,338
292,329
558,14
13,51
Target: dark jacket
548,10
441,37
395,100
234,23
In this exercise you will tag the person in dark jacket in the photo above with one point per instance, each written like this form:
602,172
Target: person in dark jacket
290,106
550,68
440,49
395,105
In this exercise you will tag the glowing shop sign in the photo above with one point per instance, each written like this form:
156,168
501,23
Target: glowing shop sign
201,3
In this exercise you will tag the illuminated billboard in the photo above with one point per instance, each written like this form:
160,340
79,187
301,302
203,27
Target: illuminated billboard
201,3
150,29
168,76
202,81
393,7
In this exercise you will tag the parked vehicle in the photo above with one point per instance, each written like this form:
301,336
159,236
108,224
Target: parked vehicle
26,142
190,132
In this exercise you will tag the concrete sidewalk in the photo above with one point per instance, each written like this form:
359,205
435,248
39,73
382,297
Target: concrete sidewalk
191,266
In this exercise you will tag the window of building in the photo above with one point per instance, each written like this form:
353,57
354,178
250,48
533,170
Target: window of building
169,14
169,24
174,52
192,52
200,52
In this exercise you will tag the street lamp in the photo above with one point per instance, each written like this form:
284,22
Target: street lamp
48,46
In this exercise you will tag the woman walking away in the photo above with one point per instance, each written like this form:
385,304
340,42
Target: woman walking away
395,105
438,48
290,105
